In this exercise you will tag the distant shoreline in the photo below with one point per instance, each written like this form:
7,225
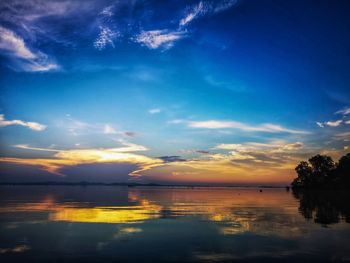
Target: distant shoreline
133,185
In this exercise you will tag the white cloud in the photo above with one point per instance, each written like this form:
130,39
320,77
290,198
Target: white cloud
320,124
194,12
154,39
31,125
347,122
12,43
14,47
215,124
205,8
176,121
223,5
333,123
106,36
107,11
108,129
344,111
154,111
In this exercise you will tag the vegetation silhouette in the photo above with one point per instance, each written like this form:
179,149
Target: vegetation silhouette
322,188
322,172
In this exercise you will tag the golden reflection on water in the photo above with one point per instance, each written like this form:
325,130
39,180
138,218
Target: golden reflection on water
112,214
233,211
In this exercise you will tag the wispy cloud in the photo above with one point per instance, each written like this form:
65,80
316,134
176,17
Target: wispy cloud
274,153
108,129
31,125
14,47
106,36
205,8
154,111
78,127
154,39
344,111
193,13
217,124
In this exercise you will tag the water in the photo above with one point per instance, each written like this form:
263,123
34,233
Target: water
160,224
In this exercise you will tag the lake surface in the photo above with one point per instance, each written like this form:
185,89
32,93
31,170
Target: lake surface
162,224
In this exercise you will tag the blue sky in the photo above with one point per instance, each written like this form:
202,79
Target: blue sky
171,91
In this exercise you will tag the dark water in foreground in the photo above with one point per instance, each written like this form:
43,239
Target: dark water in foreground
156,224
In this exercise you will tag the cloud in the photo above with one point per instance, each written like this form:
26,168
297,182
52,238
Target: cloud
215,124
31,125
105,37
274,153
347,122
14,47
193,13
107,11
154,39
73,157
154,111
108,129
344,111
320,124
333,123
172,158
129,134
276,147
205,8
77,127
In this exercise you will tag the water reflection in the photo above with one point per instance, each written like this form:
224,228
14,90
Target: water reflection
170,224
324,207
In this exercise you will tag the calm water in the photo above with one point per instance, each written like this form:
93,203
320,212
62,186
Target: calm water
156,224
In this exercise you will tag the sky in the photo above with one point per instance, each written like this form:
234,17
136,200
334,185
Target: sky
175,92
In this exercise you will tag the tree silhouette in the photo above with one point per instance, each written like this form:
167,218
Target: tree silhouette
304,172
322,172
343,170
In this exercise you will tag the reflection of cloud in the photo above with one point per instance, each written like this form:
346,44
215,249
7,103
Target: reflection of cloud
234,211
16,249
110,214
31,125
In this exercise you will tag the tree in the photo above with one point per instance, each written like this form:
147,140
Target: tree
343,170
322,165
321,171
304,172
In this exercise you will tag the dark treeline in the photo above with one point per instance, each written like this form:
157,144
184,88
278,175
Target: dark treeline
322,172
